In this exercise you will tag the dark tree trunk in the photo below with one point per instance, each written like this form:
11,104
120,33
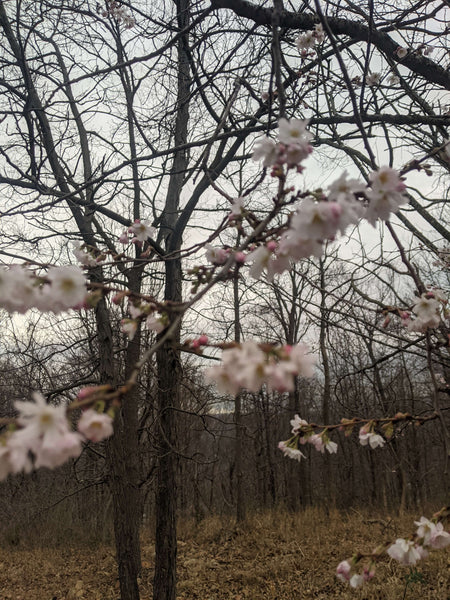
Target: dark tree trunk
168,356
169,375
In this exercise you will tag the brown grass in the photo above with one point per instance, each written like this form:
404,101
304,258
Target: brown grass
274,556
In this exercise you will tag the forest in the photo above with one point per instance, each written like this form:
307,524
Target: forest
224,234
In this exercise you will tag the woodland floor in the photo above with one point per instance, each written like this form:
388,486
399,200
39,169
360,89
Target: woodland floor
275,556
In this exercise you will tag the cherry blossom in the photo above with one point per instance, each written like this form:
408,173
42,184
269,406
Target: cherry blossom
439,538
261,258
84,256
129,327
319,33
297,424
216,256
14,455
393,79
425,528
356,580
368,437
46,432
67,288
404,551
95,426
294,132
19,290
265,149
427,310
401,52
305,41
293,453
386,194
343,571
237,207
248,366
156,322
141,230
372,79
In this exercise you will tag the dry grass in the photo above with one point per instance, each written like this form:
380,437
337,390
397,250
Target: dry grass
275,556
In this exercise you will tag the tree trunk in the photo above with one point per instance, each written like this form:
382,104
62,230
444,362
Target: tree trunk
239,429
168,356
169,375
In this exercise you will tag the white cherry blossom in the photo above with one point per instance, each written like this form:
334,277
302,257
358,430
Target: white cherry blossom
294,132
293,453
95,426
67,288
404,551
142,230
265,149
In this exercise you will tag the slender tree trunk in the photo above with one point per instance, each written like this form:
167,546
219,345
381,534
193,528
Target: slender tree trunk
326,396
239,429
168,356
169,376
124,476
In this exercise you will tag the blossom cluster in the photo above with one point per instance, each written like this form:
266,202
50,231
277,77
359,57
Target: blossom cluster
319,217
249,365
45,437
315,222
118,13
60,289
305,433
306,41
146,313
292,148
88,256
428,310
430,535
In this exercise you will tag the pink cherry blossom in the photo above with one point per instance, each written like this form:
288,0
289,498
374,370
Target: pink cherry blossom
343,571
439,538
216,256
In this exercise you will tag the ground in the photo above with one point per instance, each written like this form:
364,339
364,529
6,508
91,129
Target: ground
275,556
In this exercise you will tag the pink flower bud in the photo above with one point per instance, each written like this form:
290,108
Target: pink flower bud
86,392
239,257
203,340
272,245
